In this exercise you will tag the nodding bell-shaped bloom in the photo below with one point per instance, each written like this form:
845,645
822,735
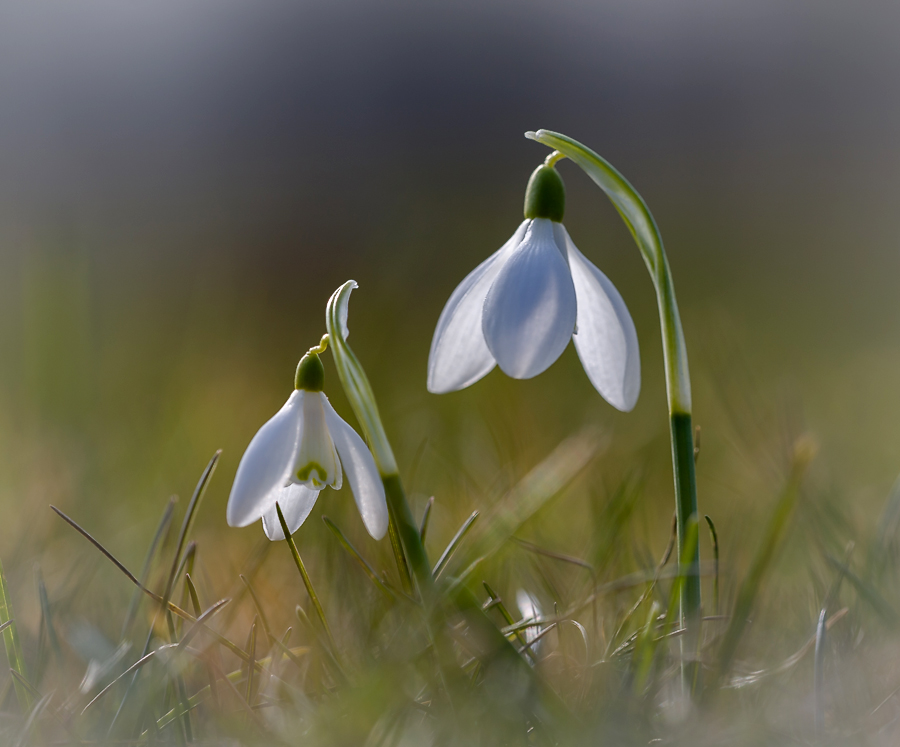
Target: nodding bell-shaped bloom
304,448
521,306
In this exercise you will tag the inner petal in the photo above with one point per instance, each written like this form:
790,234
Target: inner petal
317,464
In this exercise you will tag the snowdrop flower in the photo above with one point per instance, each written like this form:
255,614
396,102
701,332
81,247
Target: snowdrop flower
521,306
304,448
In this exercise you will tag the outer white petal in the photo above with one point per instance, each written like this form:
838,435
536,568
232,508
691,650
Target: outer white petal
266,465
362,474
605,339
529,312
316,464
296,502
459,355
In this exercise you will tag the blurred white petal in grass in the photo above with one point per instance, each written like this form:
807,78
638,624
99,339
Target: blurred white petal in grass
531,612
303,449
521,306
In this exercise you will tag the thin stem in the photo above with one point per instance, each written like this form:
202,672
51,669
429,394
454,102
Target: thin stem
640,222
306,580
409,535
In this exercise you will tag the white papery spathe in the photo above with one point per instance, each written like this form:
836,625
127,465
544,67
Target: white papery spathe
521,306
304,448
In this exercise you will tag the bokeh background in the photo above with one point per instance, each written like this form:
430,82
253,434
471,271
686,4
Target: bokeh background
182,185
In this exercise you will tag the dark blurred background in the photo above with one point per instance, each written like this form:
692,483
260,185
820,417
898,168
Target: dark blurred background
183,184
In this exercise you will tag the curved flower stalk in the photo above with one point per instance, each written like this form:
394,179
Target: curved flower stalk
634,211
362,400
521,306
303,449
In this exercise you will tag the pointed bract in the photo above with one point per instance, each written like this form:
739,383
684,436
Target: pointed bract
530,309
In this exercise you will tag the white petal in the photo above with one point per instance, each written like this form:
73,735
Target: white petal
529,312
605,339
459,355
317,464
362,474
266,464
296,502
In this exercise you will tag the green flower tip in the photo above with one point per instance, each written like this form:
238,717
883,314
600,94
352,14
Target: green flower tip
310,373
545,195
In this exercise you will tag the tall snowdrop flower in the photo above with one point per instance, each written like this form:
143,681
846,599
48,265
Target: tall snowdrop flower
521,306
303,449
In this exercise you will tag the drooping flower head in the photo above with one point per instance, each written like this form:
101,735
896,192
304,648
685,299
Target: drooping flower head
520,307
304,448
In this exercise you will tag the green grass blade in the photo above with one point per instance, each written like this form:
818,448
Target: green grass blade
532,493
12,644
161,530
714,537
307,582
363,563
749,589
426,516
453,545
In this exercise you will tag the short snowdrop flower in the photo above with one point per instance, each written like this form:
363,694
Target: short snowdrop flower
304,448
521,306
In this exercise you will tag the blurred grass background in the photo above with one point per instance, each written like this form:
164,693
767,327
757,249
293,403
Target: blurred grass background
184,184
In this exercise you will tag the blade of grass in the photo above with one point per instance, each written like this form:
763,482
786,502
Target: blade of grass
714,537
532,493
259,608
426,515
400,557
453,545
251,650
496,601
13,646
648,591
307,582
867,593
161,530
746,597
348,546
32,717
819,674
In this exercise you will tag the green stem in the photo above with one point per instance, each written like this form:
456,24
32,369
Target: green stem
686,495
640,222
410,538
